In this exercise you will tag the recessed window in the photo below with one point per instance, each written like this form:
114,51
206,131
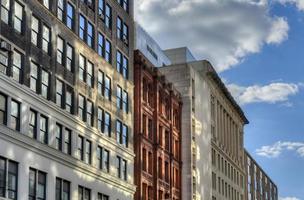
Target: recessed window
118,97
100,83
35,30
34,76
81,104
80,145
81,27
5,9
102,197
44,83
125,68
84,193
58,138
33,124
62,189
107,124
119,28
37,184
100,47
43,129
60,44
90,35
18,17
108,52
68,101
67,141
108,20
88,157
118,61
69,57
8,178
90,113
46,37
125,101
3,62
60,9
17,66
59,92
15,115
70,16
3,109
90,78
100,119
108,90
101,5
46,3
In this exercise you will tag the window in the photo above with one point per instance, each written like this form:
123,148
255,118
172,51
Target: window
69,57
58,139
119,97
125,5
46,37
60,9
44,83
59,92
118,61
84,193
3,109
125,34
70,16
81,27
108,52
37,185
166,171
100,119
81,67
102,197
119,28
80,144
81,107
46,3
34,76
90,113
90,35
88,158
124,136
60,44
100,47
8,178
17,66
103,159
100,80
118,131
35,30
68,101
3,62
108,90
67,141
18,17
108,20
101,7
33,124
125,101
62,189
107,124
15,115
121,168
43,130
90,79
5,9
125,67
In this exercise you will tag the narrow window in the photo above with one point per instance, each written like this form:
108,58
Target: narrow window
59,92
125,101
69,57
81,27
125,67
44,83
15,115
37,185
81,67
88,158
90,79
119,28
46,3
125,135
33,124
118,131
70,16
108,20
58,139
67,141
100,81
100,47
80,144
108,90
90,35
101,7
5,9
34,77
108,52
62,189
60,44
43,130
125,34
118,61
105,160
35,30
17,66
84,193
68,101
107,124
18,17
81,107
3,109
100,119
90,113
60,9
46,36
119,97
3,62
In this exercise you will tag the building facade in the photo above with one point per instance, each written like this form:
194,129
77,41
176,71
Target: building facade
157,133
259,185
212,130
66,98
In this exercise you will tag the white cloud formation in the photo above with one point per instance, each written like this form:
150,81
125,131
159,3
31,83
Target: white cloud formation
288,198
271,93
275,150
224,32
298,3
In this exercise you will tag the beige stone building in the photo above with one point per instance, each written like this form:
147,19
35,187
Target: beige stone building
212,130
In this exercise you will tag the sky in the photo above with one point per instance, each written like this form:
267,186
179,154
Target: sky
257,47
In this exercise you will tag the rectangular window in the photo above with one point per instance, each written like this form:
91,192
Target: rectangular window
46,3
121,168
100,81
33,124
58,139
60,44
82,63
62,189
108,90
125,101
35,30
68,101
8,178
59,92
124,135
108,20
118,61
17,66
100,119
90,113
106,160
67,141
107,124
69,57
125,5
118,97
81,107
99,157
119,28
101,7
100,47
84,193
103,197
81,27
88,158
70,16
43,130
80,144
125,67
118,160
37,185
90,78
3,62
5,9
60,9
18,17
108,52
44,83
118,131
15,115
90,35
46,37
125,34
3,109
34,77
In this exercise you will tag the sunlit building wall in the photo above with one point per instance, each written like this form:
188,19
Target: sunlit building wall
66,99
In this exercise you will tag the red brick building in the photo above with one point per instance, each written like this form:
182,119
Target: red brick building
157,134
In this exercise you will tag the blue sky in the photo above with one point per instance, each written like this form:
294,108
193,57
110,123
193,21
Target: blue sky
257,46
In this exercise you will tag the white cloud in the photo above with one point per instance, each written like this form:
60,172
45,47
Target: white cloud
288,198
272,93
224,32
275,150
298,3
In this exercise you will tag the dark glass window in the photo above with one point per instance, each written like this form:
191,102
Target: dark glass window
108,52
125,67
88,157
84,193
90,74
69,57
37,185
9,171
3,109
100,82
67,141
80,144
118,97
34,76
100,119
118,61
59,92
60,50
90,35
44,83
58,139
62,189
90,113
43,130
68,101
119,28
33,124
118,131
81,104
15,115
82,63
125,34
124,136
102,197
